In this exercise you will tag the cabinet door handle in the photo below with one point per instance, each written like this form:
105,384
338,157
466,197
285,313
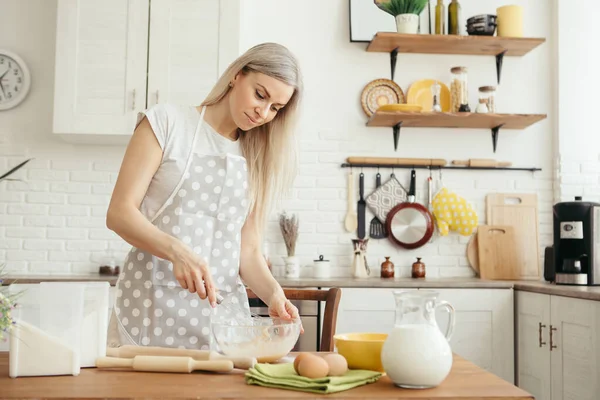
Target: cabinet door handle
552,346
133,101
540,326
157,97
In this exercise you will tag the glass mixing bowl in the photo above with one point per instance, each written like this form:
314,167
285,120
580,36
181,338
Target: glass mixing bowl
266,339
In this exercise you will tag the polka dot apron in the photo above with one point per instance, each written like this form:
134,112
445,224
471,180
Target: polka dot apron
206,211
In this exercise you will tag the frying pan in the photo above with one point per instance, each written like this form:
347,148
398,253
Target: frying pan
410,225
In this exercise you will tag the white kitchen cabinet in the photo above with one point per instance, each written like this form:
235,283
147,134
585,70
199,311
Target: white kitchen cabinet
558,351
483,331
118,57
484,327
191,43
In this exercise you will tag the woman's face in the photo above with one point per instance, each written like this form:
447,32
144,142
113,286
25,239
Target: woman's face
256,98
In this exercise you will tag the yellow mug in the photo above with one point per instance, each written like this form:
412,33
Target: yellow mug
510,21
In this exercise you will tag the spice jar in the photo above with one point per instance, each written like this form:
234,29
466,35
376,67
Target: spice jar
459,92
488,95
387,268
435,93
482,107
418,269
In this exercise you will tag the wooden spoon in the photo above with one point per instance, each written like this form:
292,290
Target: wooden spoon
351,221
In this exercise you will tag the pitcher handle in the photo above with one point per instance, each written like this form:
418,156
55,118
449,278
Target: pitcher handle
450,309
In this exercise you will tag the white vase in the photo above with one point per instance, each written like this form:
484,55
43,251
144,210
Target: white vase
407,23
292,267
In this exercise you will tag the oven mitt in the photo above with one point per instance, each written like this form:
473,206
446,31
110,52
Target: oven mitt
385,197
283,376
453,213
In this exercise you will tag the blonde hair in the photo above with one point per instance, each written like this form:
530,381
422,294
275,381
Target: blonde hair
270,149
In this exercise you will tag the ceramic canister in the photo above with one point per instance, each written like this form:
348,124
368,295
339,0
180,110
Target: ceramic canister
510,21
321,268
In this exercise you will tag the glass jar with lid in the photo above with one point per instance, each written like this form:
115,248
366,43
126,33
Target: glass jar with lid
487,95
459,92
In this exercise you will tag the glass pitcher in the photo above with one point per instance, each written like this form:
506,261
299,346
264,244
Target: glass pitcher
416,354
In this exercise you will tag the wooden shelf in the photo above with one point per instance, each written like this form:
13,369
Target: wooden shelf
454,120
452,44
394,43
494,122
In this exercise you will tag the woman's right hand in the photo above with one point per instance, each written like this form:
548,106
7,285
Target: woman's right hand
193,273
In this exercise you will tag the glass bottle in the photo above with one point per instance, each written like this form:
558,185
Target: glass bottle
435,94
488,95
454,18
459,91
418,269
440,17
387,268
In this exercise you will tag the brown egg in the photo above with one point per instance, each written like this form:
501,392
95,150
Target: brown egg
337,364
313,367
299,358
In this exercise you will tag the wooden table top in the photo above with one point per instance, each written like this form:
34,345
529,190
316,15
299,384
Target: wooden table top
466,381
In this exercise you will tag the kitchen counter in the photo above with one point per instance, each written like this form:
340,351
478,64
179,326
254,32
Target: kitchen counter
465,382
581,292
301,282
395,283
578,292
37,278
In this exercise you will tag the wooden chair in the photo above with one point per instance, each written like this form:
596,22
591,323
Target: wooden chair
331,297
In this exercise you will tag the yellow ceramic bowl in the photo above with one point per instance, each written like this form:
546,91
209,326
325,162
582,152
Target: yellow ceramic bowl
361,350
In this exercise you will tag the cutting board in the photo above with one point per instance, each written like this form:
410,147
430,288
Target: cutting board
519,211
497,256
473,252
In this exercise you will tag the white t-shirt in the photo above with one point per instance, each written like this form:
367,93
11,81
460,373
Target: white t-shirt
174,127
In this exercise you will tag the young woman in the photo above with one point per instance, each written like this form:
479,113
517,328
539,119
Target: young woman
192,197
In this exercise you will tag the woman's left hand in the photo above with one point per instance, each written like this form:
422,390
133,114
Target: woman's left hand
282,308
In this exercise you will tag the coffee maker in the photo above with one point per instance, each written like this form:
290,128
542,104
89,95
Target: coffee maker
576,255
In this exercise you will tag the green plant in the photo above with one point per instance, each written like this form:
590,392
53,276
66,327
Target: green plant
7,305
6,175
397,7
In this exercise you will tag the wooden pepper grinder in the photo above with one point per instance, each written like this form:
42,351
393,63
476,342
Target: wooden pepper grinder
418,269
387,268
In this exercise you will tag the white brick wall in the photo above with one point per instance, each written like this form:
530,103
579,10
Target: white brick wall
54,220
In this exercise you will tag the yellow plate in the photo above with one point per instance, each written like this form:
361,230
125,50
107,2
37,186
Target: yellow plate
401,107
420,93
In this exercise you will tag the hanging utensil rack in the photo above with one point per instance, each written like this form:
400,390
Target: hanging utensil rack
353,165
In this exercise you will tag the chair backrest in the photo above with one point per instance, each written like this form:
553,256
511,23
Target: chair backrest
331,297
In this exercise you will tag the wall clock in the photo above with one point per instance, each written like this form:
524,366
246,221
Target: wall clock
15,80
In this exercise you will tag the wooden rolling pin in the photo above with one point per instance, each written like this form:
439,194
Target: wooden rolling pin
433,162
130,351
482,162
164,364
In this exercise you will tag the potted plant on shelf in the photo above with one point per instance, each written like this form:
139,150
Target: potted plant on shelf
289,231
406,13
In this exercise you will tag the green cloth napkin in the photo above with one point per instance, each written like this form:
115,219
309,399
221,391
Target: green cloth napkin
283,376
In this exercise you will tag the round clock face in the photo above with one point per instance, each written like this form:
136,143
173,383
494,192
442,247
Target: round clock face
14,80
